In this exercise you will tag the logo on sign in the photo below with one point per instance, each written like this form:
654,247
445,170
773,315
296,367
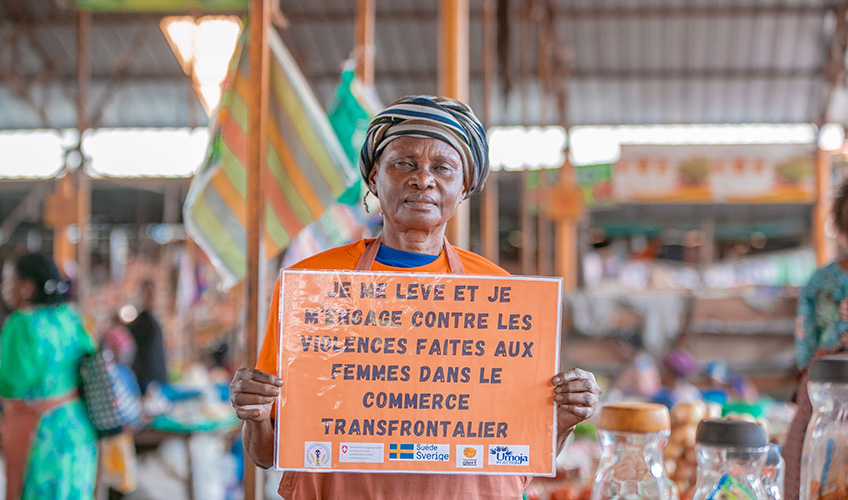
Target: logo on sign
317,454
469,456
419,452
509,455
344,448
398,451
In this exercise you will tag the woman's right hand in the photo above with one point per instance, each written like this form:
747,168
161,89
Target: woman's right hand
252,394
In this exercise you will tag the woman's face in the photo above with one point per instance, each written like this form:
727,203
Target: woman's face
14,288
419,182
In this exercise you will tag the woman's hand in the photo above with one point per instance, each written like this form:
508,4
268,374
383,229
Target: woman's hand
252,394
576,397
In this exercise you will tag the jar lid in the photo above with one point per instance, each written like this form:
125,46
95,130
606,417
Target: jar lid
773,455
634,417
731,433
830,369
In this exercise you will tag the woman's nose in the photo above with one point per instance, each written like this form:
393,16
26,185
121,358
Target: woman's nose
422,178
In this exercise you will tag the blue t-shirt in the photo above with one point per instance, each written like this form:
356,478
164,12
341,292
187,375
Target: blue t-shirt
399,258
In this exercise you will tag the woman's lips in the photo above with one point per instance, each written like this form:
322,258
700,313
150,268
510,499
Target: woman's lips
420,201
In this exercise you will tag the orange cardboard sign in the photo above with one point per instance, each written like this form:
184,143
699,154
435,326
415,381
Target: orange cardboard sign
390,372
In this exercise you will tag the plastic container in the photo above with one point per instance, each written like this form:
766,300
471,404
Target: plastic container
632,436
731,456
773,473
824,462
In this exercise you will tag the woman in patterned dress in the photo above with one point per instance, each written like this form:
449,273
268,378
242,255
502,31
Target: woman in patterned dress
49,445
821,329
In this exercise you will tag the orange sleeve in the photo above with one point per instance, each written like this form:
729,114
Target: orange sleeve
267,360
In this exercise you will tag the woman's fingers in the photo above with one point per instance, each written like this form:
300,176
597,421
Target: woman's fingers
257,376
254,387
568,412
251,390
576,394
254,412
243,399
577,399
575,380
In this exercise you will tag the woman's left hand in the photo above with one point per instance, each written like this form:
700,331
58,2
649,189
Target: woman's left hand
576,397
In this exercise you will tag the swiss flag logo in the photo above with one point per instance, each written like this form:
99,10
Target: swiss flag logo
344,448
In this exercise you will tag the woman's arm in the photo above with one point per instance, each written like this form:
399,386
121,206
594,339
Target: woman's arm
806,329
19,367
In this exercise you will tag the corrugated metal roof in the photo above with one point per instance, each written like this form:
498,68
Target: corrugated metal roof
129,55
633,61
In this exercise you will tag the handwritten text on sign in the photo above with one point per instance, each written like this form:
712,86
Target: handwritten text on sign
417,373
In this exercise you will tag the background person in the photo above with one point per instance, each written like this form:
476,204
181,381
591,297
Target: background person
49,445
149,364
821,328
422,157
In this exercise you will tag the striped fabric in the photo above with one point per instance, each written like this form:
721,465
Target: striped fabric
307,167
346,220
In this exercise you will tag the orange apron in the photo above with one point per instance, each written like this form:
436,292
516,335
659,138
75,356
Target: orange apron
347,483
20,421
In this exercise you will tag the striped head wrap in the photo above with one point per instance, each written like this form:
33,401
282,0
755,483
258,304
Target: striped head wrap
431,117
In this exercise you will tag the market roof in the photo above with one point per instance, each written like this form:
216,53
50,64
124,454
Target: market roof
625,62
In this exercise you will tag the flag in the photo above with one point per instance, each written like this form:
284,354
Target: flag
307,167
346,220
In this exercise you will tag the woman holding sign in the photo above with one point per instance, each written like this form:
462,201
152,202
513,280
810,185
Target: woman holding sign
422,157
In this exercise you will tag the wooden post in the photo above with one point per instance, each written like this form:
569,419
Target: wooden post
489,216
565,240
83,182
528,247
453,82
257,115
63,249
365,16
825,248
544,237
526,226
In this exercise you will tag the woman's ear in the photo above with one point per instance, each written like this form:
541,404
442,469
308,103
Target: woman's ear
372,180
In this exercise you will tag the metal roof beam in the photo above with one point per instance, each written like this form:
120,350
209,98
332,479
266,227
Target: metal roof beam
615,74
582,14
694,12
68,20
696,74
127,79
121,71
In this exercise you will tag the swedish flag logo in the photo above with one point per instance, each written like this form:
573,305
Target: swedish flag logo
401,451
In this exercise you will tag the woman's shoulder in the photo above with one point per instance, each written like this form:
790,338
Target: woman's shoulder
17,318
830,272
343,257
477,264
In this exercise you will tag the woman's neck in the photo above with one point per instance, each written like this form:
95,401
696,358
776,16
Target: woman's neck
423,242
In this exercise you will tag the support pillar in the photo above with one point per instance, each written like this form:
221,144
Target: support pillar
825,246
257,114
453,82
83,284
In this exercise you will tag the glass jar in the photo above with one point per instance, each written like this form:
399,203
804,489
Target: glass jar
824,462
773,473
632,436
731,456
